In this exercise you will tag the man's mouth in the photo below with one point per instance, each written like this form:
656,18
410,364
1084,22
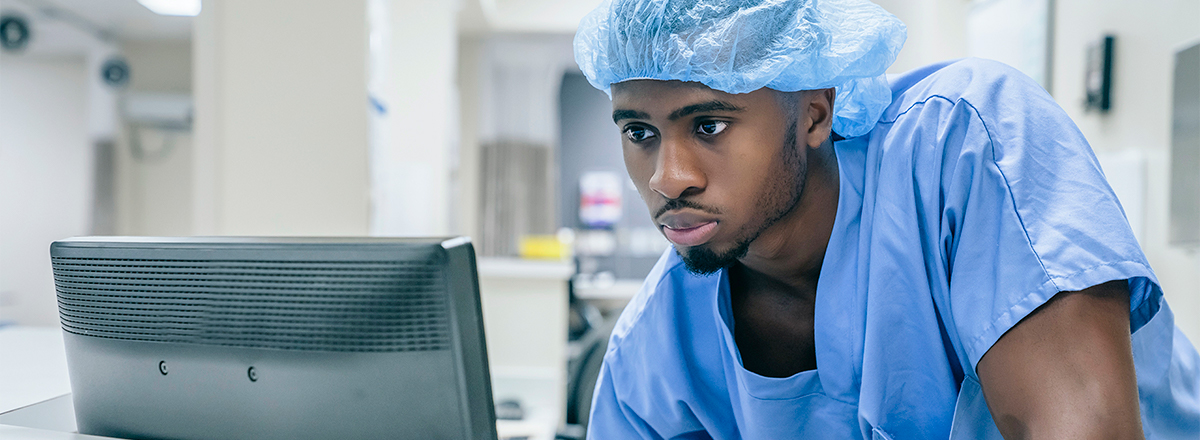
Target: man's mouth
690,234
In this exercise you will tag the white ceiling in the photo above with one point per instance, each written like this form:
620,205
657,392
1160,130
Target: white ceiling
126,19
68,27
71,26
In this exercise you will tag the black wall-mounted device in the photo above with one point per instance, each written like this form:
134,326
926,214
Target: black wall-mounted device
1099,74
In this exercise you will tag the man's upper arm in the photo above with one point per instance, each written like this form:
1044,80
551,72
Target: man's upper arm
1066,370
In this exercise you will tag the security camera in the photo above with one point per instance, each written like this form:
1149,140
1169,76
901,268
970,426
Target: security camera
115,72
14,32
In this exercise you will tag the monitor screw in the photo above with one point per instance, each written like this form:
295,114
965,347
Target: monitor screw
162,367
252,373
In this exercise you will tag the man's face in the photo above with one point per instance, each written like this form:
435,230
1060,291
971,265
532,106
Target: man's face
715,169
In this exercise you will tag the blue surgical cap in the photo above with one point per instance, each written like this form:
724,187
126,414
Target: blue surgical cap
738,46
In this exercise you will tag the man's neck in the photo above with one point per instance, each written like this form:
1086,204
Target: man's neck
791,251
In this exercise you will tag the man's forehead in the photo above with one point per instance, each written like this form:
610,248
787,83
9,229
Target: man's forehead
653,89
648,98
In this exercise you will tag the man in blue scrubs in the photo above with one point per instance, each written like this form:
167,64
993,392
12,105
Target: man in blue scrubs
934,256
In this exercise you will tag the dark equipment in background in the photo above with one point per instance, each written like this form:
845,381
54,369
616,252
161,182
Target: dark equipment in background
1098,75
583,370
14,32
590,329
115,72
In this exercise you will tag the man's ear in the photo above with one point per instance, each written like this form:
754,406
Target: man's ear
819,111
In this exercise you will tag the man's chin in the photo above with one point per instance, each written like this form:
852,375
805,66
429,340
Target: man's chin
701,260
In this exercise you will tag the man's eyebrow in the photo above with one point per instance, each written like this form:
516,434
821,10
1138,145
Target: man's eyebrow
710,106
618,115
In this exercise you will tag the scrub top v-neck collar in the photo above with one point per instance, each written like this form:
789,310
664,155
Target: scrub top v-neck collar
831,342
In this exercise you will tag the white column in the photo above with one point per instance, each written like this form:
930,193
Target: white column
414,46
281,125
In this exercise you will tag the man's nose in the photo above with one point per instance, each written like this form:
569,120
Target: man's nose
677,172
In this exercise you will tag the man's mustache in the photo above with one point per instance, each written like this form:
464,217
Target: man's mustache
674,204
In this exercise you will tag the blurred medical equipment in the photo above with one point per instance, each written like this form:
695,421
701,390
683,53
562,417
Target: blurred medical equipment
600,199
739,47
159,117
590,331
516,195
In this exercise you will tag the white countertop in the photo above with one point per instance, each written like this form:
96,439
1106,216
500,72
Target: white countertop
620,289
33,366
501,267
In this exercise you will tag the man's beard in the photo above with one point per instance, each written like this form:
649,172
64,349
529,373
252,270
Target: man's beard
782,197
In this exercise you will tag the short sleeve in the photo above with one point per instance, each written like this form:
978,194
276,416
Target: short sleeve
1027,212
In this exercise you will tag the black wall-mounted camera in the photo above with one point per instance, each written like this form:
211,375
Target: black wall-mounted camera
14,32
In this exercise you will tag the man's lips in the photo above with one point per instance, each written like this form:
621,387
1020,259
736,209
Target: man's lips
692,235
687,227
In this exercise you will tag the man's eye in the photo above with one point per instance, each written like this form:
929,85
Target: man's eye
709,128
638,134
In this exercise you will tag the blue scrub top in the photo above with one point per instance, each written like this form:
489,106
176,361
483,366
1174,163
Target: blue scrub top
972,202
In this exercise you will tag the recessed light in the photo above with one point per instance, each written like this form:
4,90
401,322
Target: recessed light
189,8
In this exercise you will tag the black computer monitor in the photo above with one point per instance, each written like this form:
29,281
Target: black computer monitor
274,338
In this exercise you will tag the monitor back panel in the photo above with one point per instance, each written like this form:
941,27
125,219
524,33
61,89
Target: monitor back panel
283,338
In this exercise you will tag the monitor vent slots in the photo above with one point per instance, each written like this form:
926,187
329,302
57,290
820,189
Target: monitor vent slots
361,306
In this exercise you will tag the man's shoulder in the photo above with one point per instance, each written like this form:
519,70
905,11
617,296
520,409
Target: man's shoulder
670,327
980,83
671,308
658,287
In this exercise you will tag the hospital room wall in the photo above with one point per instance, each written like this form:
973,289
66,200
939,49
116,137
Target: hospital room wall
936,31
45,176
1139,123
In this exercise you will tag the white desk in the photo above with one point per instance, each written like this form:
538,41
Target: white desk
33,366
33,369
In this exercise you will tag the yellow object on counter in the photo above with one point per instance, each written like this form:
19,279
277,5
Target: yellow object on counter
543,247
